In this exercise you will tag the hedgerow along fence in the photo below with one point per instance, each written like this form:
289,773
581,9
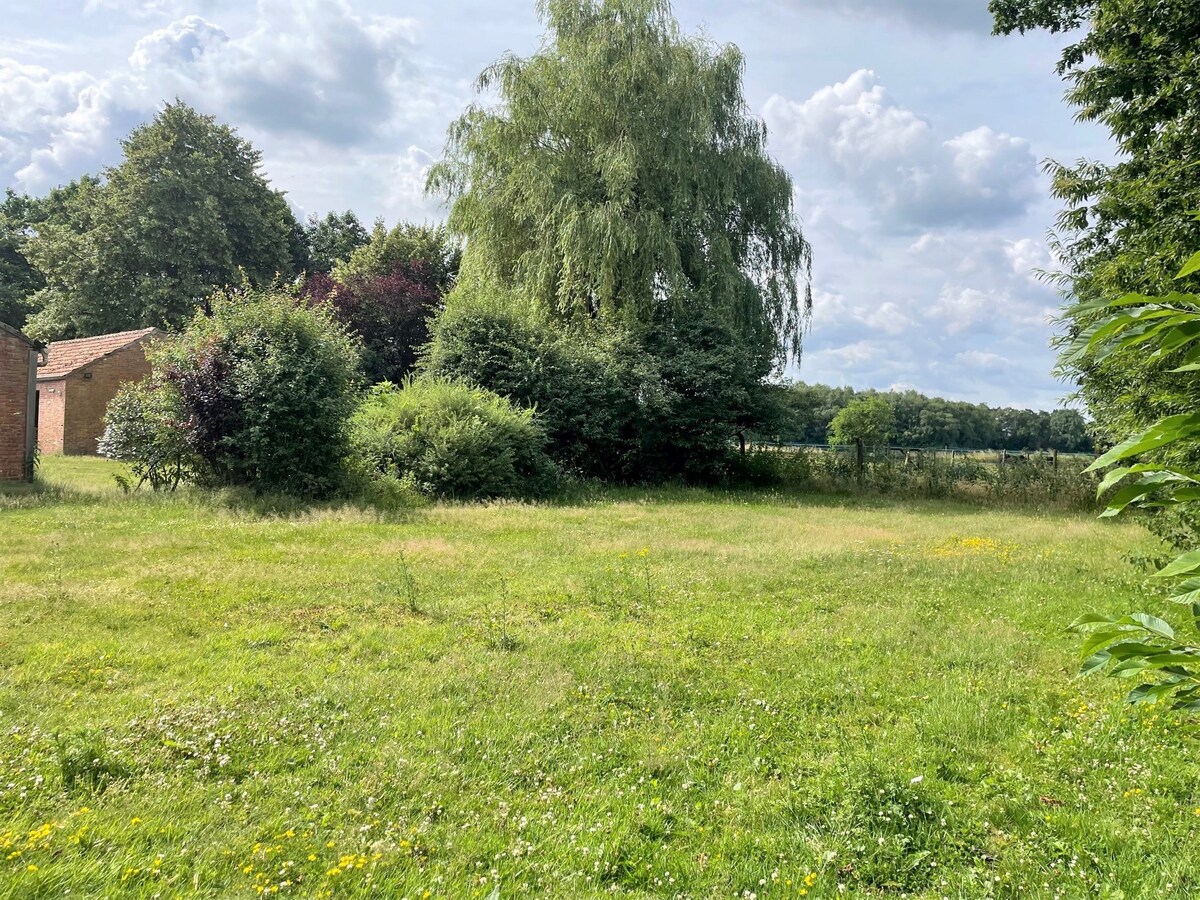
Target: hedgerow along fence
1025,477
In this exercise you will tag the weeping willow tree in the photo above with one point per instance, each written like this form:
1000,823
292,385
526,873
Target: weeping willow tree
621,176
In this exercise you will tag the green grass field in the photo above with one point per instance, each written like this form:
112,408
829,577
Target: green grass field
676,694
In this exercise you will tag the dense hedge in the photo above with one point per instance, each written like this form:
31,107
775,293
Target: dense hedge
664,401
452,440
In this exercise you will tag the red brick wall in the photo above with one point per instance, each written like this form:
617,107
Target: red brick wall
51,396
14,403
87,398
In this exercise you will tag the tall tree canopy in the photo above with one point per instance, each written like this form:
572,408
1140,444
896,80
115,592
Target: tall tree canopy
187,211
427,247
332,240
622,174
806,413
1125,227
18,279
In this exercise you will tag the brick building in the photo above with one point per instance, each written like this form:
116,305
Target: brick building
78,380
19,358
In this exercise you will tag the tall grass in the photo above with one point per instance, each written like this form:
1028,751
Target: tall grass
1031,481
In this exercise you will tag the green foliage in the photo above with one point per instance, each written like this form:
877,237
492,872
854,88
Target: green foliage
701,389
804,413
867,419
144,427
261,391
186,212
406,246
622,177
332,240
18,279
452,439
1130,67
666,401
1141,646
583,392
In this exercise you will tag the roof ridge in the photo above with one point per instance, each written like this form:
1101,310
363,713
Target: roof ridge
112,334
66,357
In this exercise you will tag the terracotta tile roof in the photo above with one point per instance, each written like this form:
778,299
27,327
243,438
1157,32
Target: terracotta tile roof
66,357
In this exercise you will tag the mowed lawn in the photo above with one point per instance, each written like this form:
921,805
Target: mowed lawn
676,694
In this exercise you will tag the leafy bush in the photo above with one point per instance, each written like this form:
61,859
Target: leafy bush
259,393
453,440
389,313
143,426
579,388
664,402
700,389
1156,471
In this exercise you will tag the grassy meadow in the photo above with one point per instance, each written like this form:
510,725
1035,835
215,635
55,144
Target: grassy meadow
671,694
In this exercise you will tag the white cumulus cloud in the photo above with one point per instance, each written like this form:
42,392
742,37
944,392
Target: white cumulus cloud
893,160
311,75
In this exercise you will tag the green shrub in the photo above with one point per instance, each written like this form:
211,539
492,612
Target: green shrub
258,393
452,439
143,427
576,383
701,389
664,401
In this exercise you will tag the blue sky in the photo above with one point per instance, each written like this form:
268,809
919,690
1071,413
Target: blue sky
913,136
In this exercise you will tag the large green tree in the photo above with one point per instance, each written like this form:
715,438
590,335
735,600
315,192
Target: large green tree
331,240
622,175
1131,66
187,211
18,279
408,247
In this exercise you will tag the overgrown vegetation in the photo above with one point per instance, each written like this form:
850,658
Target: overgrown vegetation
1157,472
257,392
1031,480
